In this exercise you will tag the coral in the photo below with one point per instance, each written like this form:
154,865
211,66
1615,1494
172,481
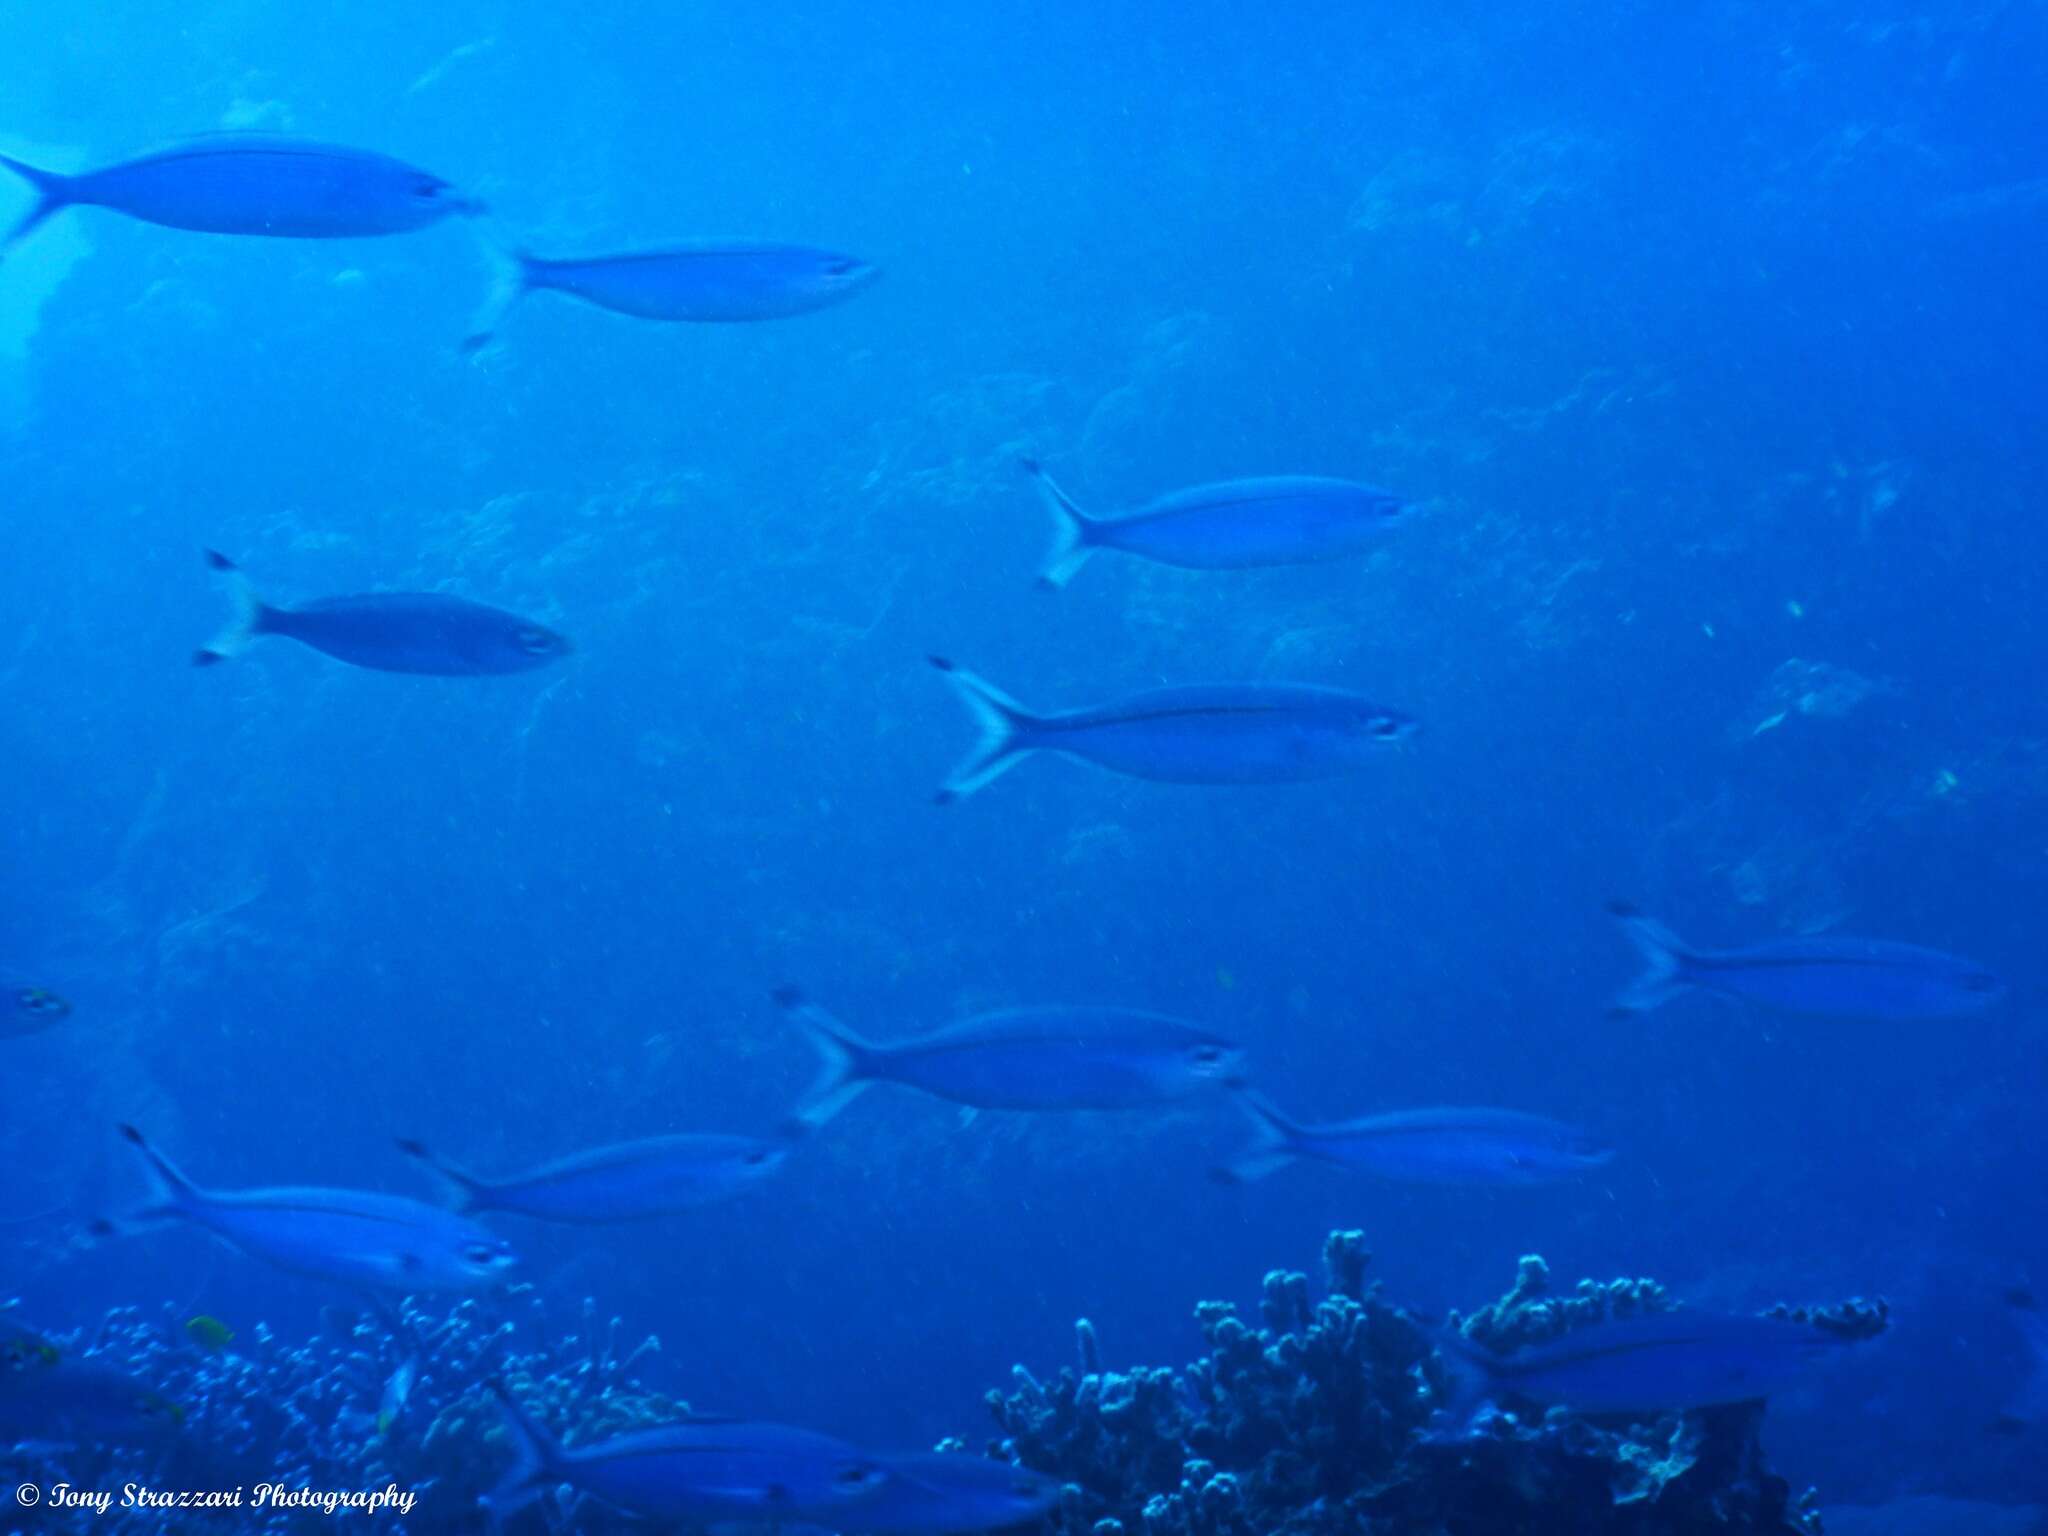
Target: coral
1328,1418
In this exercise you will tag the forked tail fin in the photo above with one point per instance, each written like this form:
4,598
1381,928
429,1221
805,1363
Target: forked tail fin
1075,535
1665,958
536,1457
53,192
1273,1144
465,1192
1005,726
511,280
244,624
171,1194
847,1062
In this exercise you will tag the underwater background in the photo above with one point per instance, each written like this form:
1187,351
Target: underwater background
1708,337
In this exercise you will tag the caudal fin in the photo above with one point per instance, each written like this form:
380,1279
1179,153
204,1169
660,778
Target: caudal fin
1665,956
1075,534
244,624
1470,1371
171,1194
846,1062
537,1458
511,281
1273,1145
52,193
1004,724
464,1191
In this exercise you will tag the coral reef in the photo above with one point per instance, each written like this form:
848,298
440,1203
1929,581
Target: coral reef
1328,1417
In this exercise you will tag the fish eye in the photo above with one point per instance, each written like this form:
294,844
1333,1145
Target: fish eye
535,642
841,266
756,1157
427,189
42,1001
1385,727
1208,1055
482,1255
857,1474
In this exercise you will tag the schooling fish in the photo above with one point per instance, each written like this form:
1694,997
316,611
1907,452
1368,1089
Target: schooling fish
700,282
1278,520
352,1236
1831,975
1470,1147
28,1010
1663,1360
698,1471
937,1493
253,185
428,633
1242,733
1021,1058
627,1182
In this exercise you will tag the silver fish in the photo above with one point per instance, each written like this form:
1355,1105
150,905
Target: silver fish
703,283
1021,1058
1650,1363
1830,975
358,1238
253,184
627,1182
1233,733
1277,520
699,1471
1460,1147
422,633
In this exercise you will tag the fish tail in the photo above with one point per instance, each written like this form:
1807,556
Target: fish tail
171,1194
465,1191
1075,535
1664,974
1273,1146
536,1457
1470,1371
53,192
513,276
1005,726
847,1062
250,618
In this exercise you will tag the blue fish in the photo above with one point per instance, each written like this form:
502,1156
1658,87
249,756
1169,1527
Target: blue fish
1278,520
939,1493
626,1182
699,283
1021,1058
253,185
698,1471
1460,1147
1651,1363
355,1237
427,633
1831,976
1230,733
26,1009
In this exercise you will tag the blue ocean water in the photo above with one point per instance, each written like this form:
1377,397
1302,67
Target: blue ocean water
1707,340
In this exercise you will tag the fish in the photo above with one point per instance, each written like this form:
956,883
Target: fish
59,1398
1651,1363
422,633
355,1237
22,1348
626,1182
252,184
1232,525
698,1471
29,1010
939,1493
209,1333
1020,1058
1241,733
1832,975
697,283
396,1392
1462,1147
